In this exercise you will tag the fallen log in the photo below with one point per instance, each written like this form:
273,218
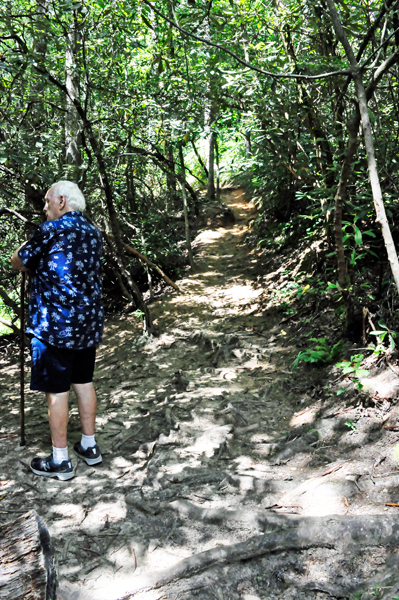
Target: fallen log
27,570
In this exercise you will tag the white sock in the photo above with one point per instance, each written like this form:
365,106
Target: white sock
88,441
60,454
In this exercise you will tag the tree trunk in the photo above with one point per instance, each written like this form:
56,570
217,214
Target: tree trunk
130,185
107,188
323,151
73,155
27,570
339,203
248,147
368,140
217,169
163,163
201,162
130,188
186,224
170,175
340,196
146,269
210,193
33,193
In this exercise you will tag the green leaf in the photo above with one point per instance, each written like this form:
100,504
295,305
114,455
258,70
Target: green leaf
362,372
347,370
358,236
377,332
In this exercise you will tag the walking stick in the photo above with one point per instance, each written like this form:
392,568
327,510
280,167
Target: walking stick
22,362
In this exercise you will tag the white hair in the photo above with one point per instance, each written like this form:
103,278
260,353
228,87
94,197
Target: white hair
72,194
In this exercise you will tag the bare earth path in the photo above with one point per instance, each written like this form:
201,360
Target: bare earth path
210,441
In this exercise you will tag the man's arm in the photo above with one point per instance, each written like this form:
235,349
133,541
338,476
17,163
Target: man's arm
16,262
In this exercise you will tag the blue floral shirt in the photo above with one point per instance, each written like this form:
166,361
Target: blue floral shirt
63,257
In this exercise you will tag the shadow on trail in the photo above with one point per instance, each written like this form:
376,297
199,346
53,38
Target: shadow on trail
207,436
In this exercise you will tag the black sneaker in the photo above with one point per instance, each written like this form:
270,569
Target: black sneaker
48,468
91,456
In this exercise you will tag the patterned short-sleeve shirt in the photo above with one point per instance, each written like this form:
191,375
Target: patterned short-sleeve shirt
63,257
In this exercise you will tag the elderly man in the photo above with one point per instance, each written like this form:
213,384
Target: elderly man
65,321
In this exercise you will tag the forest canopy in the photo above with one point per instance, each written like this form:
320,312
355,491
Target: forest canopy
151,107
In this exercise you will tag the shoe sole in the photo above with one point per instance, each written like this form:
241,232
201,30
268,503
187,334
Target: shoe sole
60,476
90,461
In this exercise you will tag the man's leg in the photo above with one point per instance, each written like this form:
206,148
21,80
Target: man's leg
87,405
87,448
58,415
58,464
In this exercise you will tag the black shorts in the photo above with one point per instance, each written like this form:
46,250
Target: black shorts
55,369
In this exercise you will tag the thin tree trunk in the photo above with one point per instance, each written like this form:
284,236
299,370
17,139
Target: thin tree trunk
201,162
339,203
170,174
209,118
340,196
217,168
186,223
147,270
368,140
163,163
211,167
33,193
130,185
323,151
106,186
248,147
73,156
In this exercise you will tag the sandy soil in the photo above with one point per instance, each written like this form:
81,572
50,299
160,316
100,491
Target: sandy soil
205,431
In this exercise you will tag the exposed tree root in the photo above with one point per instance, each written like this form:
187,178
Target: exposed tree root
289,533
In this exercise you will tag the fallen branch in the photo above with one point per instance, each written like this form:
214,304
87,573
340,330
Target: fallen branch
15,329
10,325
152,265
10,302
331,471
14,213
143,258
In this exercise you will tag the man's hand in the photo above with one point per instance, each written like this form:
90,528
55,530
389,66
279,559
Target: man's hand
16,262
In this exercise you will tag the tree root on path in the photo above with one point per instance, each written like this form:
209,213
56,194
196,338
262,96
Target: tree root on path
290,533
255,546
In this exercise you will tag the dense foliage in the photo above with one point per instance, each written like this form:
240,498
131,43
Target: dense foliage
105,93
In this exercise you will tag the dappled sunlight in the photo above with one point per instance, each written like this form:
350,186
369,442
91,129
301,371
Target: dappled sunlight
206,433
306,416
209,236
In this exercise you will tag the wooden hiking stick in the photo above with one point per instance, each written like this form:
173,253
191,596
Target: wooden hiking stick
22,361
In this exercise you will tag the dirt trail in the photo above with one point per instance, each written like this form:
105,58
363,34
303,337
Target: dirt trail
209,439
